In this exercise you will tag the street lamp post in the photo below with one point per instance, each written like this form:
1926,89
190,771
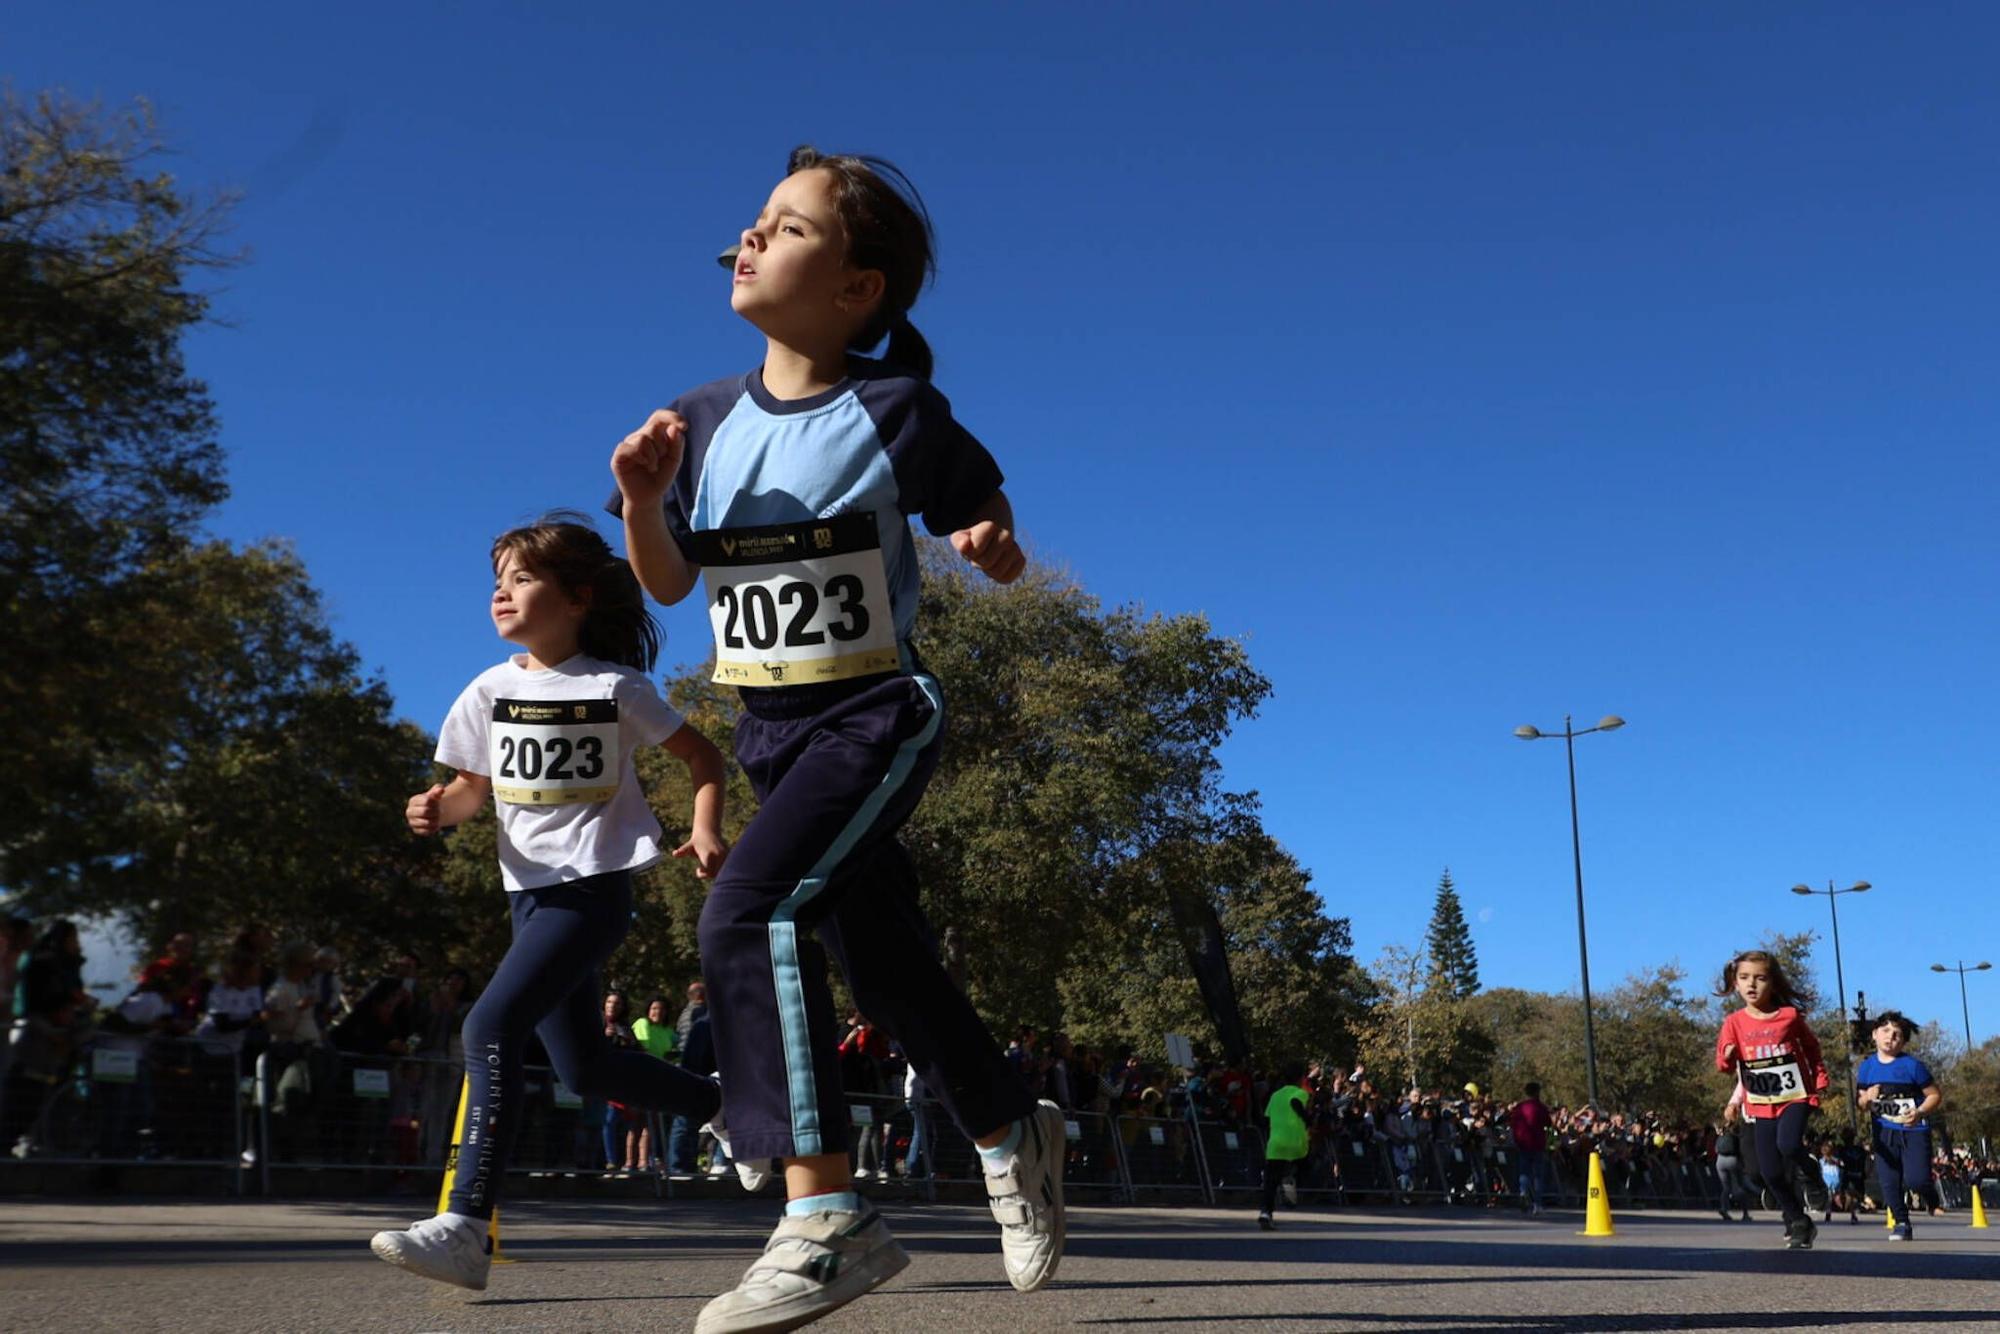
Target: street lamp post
1964,1008
1569,734
1840,980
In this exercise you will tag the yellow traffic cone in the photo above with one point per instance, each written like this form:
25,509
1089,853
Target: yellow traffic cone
493,1235
1597,1213
451,1168
1978,1207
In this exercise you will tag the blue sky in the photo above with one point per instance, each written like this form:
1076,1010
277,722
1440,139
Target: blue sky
1475,363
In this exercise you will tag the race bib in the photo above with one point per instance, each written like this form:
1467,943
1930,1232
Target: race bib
1773,1079
1896,1106
551,752
796,603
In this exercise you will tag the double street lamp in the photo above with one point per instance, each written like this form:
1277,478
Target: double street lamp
1569,734
1964,1009
1839,979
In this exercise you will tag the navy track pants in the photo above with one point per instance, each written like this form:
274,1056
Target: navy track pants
836,770
1902,1164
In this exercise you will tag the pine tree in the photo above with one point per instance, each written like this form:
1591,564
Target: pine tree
1449,942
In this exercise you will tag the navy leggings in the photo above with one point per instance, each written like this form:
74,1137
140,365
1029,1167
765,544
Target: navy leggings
1902,1163
549,984
1780,1140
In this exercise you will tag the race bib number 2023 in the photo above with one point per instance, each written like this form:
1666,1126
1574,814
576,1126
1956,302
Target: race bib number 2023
554,752
1776,1079
791,604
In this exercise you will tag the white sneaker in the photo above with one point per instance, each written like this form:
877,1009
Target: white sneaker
862,1174
449,1250
753,1177
1027,1201
810,1266
1289,1189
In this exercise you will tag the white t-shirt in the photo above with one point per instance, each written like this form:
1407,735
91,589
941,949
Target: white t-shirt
291,1021
567,810
238,1003
141,1009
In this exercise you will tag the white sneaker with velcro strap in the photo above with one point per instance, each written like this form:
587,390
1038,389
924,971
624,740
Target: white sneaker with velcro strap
1027,1202
812,1264
446,1249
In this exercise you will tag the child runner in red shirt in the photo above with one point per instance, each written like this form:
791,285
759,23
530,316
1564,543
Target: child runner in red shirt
1774,1053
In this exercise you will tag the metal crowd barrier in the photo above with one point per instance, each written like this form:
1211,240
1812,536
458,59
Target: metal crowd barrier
128,1101
1957,1192
895,1144
187,1102
1234,1157
1164,1155
324,1110
1097,1161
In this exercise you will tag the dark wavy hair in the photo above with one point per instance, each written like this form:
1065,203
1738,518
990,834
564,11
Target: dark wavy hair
563,546
1899,1019
1782,991
888,228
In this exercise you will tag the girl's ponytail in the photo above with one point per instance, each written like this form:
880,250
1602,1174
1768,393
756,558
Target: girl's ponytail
908,348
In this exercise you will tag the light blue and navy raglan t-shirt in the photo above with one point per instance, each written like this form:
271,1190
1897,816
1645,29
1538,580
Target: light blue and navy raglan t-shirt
882,441
1900,1086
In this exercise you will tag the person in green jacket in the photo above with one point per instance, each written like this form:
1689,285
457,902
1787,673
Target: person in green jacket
657,1034
1285,1145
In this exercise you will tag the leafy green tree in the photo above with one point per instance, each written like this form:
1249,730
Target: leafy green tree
1295,979
1448,941
1079,798
1533,1037
1971,1085
108,457
205,752
1417,1027
1075,818
1655,1043
1420,1022
272,784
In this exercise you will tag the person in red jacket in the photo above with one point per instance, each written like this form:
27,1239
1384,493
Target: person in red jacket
1773,1052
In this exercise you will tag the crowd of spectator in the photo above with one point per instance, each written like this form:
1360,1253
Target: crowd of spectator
360,1069
369,1071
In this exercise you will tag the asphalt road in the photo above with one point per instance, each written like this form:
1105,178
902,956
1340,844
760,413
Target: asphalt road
641,1265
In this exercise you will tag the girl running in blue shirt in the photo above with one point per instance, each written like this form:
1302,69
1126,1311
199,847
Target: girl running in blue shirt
787,492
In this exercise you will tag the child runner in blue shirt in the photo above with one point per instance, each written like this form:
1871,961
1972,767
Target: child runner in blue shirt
1899,1089
788,491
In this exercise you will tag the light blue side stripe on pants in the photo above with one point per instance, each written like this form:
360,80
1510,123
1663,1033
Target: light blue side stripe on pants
785,976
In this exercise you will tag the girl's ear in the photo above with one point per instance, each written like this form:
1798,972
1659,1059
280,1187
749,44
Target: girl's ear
863,288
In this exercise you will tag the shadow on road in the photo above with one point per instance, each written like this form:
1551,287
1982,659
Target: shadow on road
1591,1324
